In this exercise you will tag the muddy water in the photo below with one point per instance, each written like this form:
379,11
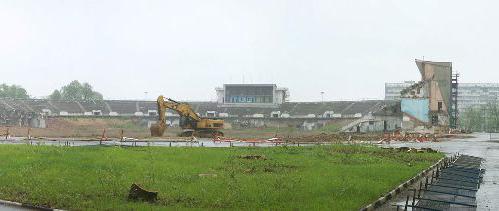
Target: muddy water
480,146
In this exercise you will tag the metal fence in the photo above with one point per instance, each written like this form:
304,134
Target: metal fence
451,187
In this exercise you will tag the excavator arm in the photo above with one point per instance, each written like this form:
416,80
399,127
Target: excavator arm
183,109
159,128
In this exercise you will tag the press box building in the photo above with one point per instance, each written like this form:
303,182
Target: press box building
251,95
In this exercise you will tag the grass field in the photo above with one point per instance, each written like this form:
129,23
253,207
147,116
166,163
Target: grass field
335,177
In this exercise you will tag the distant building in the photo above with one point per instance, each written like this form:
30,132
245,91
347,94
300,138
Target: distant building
392,90
477,94
469,94
251,95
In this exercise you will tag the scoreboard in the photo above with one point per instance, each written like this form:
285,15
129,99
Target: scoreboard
249,93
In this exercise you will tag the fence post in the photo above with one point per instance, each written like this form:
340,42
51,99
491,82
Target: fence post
406,203
29,136
103,136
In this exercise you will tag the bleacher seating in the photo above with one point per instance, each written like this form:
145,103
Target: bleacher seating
129,107
123,107
94,106
68,106
362,107
145,106
13,112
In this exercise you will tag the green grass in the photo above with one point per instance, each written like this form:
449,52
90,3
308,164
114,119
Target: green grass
335,177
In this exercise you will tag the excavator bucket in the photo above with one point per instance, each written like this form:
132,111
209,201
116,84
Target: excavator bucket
157,130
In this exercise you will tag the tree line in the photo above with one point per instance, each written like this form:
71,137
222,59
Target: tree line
13,91
74,91
484,118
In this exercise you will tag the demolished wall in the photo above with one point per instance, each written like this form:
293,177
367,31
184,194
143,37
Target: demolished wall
427,103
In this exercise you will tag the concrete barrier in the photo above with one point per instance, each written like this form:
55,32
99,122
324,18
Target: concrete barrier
25,206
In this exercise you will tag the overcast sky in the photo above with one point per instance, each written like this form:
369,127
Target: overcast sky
184,49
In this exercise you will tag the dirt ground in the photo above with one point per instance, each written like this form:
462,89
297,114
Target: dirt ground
94,128
137,128
85,127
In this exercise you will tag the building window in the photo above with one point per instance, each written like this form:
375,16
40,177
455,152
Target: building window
434,119
439,106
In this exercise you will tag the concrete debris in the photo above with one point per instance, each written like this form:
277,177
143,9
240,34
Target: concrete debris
253,157
416,137
138,193
413,150
333,138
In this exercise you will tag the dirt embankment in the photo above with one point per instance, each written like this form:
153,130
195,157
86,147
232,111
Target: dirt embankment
86,127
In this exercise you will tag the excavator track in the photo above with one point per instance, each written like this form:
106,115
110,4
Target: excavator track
202,133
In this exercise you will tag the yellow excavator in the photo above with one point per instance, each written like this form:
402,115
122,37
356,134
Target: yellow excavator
190,122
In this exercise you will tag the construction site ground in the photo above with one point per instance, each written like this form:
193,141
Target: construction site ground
114,127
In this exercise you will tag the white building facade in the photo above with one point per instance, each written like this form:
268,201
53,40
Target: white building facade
251,95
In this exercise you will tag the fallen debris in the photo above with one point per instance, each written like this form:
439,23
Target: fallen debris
253,157
207,175
333,138
138,193
412,150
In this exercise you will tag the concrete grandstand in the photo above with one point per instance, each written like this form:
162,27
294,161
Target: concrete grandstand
32,112
339,109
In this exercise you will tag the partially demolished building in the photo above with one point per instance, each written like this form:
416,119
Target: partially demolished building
432,102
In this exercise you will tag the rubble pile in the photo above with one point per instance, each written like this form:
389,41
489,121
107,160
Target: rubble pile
333,138
364,137
414,137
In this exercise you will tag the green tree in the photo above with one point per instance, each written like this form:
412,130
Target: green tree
483,118
492,117
76,91
472,119
13,91
56,95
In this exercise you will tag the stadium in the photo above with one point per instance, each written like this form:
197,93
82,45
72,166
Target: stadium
259,104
